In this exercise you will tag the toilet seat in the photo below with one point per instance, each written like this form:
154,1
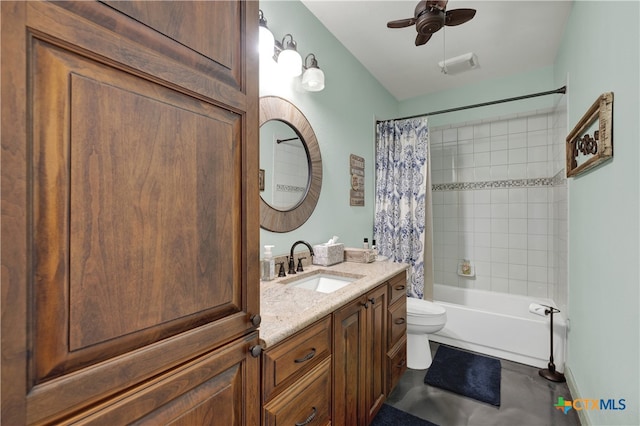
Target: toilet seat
423,308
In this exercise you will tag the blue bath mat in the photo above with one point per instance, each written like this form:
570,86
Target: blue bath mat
391,416
467,374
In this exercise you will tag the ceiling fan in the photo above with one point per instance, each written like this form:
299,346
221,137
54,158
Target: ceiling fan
430,16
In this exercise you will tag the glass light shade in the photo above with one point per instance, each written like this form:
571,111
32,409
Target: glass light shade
313,79
266,42
290,62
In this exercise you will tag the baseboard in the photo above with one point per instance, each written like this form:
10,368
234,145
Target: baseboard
575,394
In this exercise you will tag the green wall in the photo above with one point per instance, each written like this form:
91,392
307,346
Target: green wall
600,53
343,117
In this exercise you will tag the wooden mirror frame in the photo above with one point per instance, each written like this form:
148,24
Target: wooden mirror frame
271,219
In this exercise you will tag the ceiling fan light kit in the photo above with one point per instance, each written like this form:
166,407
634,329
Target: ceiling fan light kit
458,64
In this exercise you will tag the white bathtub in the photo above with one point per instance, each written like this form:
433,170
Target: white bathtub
499,324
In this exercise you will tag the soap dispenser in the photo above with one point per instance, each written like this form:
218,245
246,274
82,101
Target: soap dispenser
267,265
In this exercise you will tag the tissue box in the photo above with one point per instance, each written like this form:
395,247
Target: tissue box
360,255
327,255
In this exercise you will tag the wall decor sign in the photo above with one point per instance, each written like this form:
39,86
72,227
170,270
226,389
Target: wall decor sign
356,168
591,141
261,179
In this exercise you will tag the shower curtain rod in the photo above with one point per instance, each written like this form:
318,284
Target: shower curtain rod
562,90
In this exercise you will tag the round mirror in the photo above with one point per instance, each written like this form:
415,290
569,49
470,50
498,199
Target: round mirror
290,166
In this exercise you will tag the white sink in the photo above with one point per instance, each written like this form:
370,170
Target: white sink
322,282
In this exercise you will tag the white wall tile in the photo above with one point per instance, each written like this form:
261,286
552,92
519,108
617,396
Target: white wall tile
499,172
500,225
518,256
518,241
499,128
499,270
450,135
499,157
517,226
482,145
517,140
500,284
518,195
537,258
499,143
518,272
517,171
517,125
482,159
465,132
517,155
518,210
481,130
537,122
518,287
482,196
499,240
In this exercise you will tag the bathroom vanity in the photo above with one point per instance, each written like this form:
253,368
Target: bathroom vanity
332,358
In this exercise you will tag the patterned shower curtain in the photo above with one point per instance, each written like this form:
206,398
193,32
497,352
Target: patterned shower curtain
401,195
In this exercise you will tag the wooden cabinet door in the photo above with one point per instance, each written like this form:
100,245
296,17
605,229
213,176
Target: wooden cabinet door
349,364
360,359
375,371
129,198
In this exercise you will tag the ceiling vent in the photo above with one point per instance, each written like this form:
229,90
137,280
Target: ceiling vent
459,64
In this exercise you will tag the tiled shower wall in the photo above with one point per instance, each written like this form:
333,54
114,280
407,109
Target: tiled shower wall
499,200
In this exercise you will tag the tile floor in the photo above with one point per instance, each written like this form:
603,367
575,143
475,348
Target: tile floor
526,400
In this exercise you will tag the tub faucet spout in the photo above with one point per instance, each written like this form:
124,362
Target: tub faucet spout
292,263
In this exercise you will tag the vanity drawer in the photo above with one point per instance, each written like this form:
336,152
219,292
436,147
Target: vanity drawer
397,322
397,287
308,401
288,360
396,364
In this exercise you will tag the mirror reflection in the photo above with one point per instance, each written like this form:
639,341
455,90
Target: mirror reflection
285,161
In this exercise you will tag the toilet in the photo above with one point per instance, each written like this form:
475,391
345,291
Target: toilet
423,318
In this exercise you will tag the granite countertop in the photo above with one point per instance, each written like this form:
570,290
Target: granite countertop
286,310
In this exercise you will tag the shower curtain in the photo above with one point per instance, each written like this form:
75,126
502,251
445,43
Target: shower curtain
403,223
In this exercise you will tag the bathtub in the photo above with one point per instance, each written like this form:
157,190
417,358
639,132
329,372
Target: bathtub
500,325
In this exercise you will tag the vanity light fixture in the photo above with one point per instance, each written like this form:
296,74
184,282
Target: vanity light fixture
313,77
266,39
289,60
285,53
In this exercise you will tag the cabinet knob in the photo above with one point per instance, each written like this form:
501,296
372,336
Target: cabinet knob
399,321
256,320
365,304
255,351
372,300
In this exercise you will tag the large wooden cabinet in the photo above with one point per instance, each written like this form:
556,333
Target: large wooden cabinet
130,213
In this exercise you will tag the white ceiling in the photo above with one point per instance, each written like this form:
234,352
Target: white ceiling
509,37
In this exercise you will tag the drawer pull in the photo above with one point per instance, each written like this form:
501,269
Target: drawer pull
309,419
307,357
399,321
404,361
400,287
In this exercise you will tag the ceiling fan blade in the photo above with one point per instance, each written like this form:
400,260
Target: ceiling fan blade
422,39
401,23
458,16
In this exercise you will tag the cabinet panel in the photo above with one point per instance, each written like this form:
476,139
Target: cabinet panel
288,360
126,252
349,346
307,402
208,390
397,287
397,363
397,321
376,366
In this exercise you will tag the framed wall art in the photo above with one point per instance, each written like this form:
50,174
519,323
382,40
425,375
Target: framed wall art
590,143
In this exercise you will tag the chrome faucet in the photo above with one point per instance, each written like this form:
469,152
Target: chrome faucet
292,263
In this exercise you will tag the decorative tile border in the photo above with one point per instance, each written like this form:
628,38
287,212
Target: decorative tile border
509,183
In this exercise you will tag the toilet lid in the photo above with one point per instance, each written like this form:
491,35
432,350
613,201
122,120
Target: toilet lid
423,307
